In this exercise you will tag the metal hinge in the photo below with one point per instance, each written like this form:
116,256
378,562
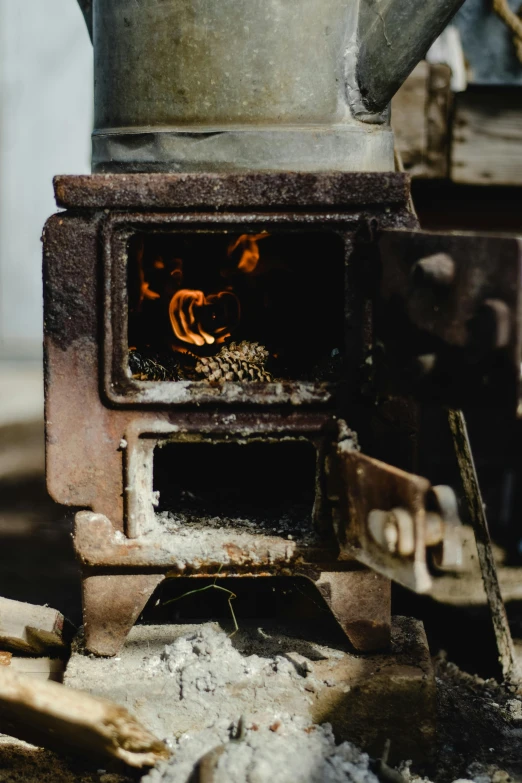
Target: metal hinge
392,521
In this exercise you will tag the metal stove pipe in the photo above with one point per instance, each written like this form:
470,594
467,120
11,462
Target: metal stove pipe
393,36
246,85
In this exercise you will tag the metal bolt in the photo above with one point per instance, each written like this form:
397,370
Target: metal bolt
438,269
393,531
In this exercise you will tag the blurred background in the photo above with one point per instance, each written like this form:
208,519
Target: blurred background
45,126
458,122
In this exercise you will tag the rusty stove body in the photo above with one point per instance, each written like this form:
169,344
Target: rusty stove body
118,440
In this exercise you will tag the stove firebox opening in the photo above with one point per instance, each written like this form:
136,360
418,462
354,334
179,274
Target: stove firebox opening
258,487
221,306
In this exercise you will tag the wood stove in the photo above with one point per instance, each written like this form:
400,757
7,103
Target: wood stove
207,346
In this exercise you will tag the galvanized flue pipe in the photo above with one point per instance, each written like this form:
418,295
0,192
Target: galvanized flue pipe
242,85
394,35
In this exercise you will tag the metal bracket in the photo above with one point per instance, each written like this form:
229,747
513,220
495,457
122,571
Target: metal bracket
392,521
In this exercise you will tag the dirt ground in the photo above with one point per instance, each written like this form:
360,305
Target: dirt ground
480,727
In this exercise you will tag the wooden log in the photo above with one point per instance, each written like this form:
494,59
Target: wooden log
41,668
50,715
33,630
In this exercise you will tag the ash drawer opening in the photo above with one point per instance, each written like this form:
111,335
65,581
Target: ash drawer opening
257,487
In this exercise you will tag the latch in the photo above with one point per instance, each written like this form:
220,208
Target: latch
392,521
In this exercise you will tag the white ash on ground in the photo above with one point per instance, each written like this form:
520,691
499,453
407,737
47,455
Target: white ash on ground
288,749
205,661
480,730
210,680
178,679
191,684
194,677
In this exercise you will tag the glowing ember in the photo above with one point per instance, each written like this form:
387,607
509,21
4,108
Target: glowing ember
247,244
198,319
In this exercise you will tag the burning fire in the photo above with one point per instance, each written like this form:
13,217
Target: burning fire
198,319
247,244
147,293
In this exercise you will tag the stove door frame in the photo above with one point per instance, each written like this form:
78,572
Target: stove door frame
121,390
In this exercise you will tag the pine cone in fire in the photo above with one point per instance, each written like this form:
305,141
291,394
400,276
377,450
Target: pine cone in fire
145,369
236,362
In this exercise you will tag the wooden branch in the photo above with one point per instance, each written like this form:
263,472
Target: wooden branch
50,715
477,514
31,629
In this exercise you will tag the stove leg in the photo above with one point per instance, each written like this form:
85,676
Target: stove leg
361,603
111,606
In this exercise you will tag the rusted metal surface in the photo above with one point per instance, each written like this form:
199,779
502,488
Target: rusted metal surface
383,514
447,313
231,191
83,461
201,551
84,434
96,432
143,437
70,278
360,601
120,389
111,605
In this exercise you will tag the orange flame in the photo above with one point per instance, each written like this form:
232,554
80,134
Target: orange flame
247,243
185,311
147,292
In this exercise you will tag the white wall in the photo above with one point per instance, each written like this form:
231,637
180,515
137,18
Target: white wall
45,125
